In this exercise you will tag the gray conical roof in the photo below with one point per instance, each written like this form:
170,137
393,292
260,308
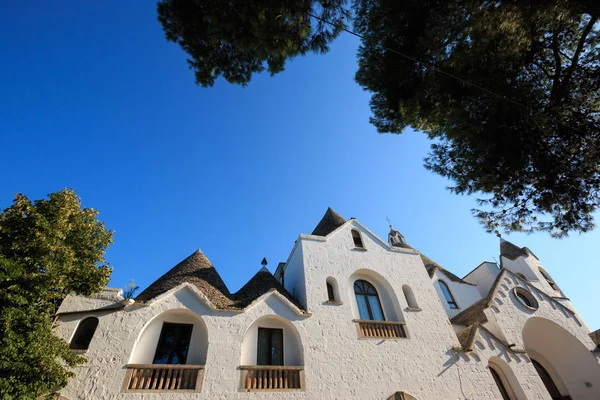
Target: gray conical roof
197,270
329,223
258,285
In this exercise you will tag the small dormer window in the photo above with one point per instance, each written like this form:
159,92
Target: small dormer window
357,239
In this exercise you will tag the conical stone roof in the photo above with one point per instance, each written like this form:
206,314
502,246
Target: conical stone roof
197,270
261,283
329,223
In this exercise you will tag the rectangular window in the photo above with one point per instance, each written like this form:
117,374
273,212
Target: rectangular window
173,344
270,346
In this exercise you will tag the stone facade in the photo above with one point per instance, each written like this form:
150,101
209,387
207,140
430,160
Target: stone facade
428,350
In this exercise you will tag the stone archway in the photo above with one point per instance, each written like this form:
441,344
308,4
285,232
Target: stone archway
507,378
570,366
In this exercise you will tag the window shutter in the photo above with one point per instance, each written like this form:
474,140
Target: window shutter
276,347
262,356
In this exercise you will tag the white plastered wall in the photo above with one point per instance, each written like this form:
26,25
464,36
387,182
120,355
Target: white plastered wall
478,382
483,276
530,267
293,277
344,366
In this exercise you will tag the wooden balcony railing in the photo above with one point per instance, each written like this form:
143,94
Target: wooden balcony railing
381,329
272,378
163,378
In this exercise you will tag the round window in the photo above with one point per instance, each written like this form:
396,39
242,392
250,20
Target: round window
526,298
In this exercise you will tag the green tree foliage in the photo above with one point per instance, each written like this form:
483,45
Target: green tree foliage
238,38
48,248
507,90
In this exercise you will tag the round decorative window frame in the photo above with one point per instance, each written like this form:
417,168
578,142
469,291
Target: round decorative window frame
520,290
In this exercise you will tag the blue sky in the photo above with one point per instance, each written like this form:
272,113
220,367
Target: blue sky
95,98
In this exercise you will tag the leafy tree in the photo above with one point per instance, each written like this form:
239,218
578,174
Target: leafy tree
48,248
507,90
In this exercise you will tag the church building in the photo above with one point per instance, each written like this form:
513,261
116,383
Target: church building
347,316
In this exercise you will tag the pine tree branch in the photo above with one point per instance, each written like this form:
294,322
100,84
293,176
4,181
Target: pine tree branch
557,65
569,71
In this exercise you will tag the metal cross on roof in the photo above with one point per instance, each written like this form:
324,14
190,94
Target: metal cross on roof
389,221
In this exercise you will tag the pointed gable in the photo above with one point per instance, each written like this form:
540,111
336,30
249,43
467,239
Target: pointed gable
329,223
261,283
196,270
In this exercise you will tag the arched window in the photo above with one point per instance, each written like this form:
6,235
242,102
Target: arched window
547,379
553,285
410,297
330,294
357,239
500,384
367,300
448,294
84,333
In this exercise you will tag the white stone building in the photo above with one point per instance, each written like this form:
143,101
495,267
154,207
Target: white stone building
347,316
